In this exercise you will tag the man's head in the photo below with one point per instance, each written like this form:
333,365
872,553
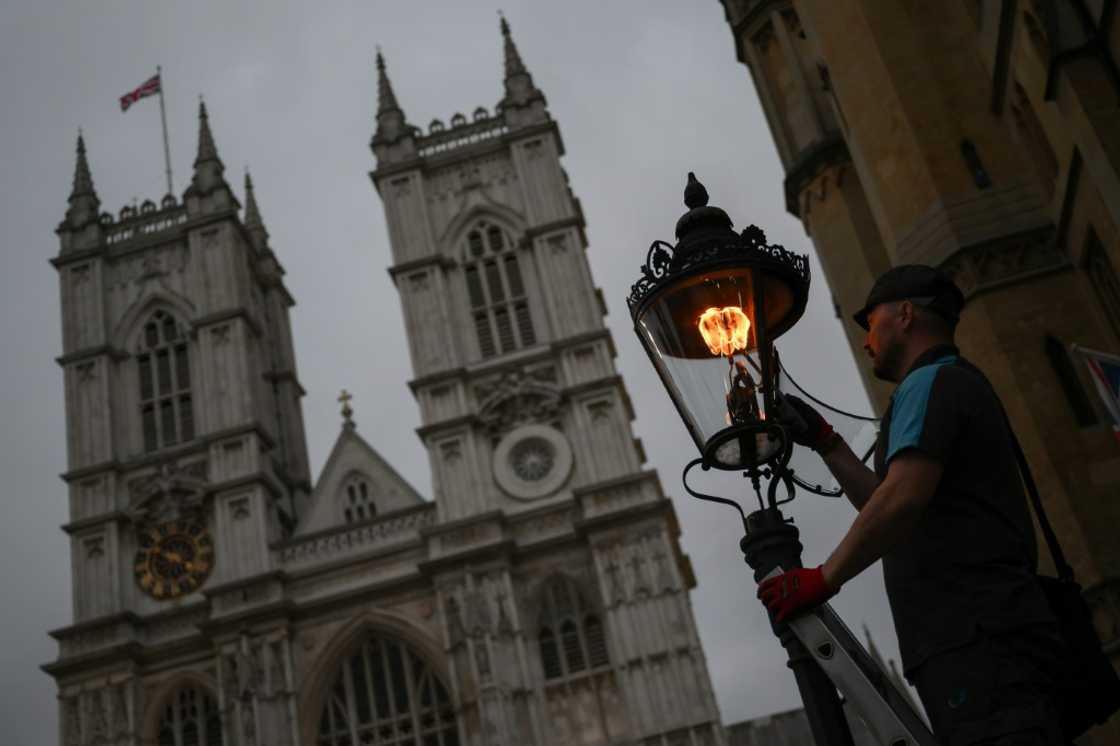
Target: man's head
910,308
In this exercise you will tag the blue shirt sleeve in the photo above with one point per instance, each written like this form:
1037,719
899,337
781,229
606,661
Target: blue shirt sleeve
909,410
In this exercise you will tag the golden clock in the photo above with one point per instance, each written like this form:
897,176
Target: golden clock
173,558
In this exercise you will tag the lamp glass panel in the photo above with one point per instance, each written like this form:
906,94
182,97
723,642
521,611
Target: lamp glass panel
702,334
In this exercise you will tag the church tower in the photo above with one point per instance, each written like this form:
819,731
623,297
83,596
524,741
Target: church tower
186,450
555,561
983,138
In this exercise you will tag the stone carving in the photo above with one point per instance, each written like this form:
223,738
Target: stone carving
121,726
455,631
154,263
451,451
86,372
98,724
72,722
517,398
95,547
978,268
356,539
173,492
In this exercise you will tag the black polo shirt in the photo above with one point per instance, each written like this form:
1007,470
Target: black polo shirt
969,566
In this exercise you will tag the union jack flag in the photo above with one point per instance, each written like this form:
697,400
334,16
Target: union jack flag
149,87
1105,371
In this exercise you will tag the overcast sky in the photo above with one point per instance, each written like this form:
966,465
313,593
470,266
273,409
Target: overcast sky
644,92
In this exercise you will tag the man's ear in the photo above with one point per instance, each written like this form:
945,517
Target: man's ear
906,314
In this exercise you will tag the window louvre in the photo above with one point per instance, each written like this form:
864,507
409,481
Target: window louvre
581,645
356,500
496,292
163,369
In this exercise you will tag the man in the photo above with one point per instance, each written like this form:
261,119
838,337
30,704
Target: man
945,510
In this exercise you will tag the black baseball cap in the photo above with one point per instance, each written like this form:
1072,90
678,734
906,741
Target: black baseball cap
918,283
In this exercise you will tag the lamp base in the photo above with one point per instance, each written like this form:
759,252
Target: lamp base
773,543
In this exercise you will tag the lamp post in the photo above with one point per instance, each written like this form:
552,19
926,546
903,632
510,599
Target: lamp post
707,312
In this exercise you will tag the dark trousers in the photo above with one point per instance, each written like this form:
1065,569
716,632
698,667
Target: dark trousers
996,691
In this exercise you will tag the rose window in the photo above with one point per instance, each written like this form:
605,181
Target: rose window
532,459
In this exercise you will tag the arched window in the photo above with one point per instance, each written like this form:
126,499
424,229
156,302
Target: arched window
496,292
357,500
570,634
385,694
166,411
190,718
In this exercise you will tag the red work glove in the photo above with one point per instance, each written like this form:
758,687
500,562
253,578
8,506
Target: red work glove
795,591
804,424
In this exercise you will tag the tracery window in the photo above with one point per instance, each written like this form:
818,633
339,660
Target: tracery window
166,410
357,500
496,292
570,634
385,694
190,718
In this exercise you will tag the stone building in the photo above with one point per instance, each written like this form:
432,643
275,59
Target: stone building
983,137
222,597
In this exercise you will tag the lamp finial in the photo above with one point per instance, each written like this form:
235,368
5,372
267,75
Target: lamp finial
695,195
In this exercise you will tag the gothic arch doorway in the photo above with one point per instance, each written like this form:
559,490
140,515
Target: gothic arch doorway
383,692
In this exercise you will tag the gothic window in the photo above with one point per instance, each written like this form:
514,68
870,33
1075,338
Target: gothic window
357,500
496,292
1103,277
1034,139
385,694
166,412
190,718
570,635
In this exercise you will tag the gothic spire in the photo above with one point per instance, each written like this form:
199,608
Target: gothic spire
253,222
207,151
386,99
523,103
514,65
393,131
208,168
83,199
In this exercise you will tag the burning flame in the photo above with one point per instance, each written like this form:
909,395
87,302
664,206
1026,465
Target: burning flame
724,329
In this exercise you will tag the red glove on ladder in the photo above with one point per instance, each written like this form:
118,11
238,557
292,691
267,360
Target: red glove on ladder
793,592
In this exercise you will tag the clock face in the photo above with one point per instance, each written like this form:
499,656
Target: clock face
174,558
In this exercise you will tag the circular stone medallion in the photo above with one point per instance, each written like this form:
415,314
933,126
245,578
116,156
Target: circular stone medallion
532,461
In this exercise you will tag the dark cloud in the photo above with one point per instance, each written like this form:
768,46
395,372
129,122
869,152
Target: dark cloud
644,92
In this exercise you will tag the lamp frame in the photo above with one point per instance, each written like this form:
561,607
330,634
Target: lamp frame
706,245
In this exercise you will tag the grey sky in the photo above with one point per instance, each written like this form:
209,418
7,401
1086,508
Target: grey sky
644,91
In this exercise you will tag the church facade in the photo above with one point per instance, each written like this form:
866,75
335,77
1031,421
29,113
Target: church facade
221,597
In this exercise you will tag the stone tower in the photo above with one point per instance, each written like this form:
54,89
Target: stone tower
185,439
982,137
538,479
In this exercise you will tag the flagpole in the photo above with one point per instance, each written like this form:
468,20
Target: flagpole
163,119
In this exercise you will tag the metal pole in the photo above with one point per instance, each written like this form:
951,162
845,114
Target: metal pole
163,119
771,542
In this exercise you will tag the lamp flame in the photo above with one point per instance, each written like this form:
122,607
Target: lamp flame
724,330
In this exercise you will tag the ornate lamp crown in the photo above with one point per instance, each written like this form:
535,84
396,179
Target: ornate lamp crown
705,238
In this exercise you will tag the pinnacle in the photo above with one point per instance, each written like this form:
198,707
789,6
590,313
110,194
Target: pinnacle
514,65
386,99
83,180
252,212
207,151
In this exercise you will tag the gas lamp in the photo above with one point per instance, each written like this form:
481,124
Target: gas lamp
707,312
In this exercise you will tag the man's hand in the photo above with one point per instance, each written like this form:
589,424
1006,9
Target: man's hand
795,591
803,423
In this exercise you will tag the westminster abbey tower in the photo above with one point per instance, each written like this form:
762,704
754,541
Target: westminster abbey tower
223,597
